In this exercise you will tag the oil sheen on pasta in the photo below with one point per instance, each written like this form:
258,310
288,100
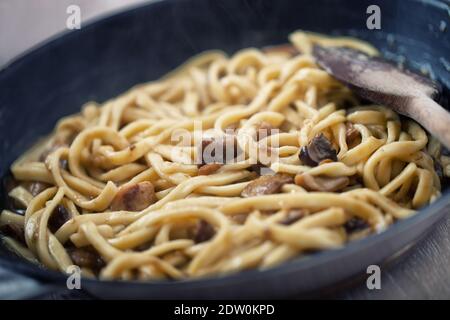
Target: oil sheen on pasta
111,190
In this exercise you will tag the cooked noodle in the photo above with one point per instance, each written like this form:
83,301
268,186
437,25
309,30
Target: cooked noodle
209,219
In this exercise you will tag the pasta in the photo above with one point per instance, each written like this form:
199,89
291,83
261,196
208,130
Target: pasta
224,164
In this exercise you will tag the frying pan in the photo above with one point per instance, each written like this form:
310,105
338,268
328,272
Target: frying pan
110,55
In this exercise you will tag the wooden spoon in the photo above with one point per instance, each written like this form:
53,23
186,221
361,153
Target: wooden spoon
383,83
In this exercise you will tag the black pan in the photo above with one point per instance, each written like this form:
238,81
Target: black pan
109,56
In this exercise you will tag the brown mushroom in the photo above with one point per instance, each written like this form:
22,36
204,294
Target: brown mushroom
59,216
355,224
208,169
260,169
86,257
321,183
135,197
351,135
266,185
203,232
317,150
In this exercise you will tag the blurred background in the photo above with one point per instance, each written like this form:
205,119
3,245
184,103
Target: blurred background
25,23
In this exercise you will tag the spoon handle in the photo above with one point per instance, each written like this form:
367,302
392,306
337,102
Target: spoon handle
432,117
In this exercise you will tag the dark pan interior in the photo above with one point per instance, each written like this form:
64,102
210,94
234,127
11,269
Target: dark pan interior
107,57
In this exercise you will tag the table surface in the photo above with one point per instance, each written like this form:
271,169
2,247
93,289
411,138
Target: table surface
421,273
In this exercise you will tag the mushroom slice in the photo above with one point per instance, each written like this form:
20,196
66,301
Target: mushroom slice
317,150
135,197
266,185
208,169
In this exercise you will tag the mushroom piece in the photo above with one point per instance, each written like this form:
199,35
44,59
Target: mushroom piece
260,169
317,150
208,169
321,183
59,216
86,257
351,135
203,232
135,197
266,185
355,224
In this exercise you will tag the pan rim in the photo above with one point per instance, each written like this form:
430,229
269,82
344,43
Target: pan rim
300,263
